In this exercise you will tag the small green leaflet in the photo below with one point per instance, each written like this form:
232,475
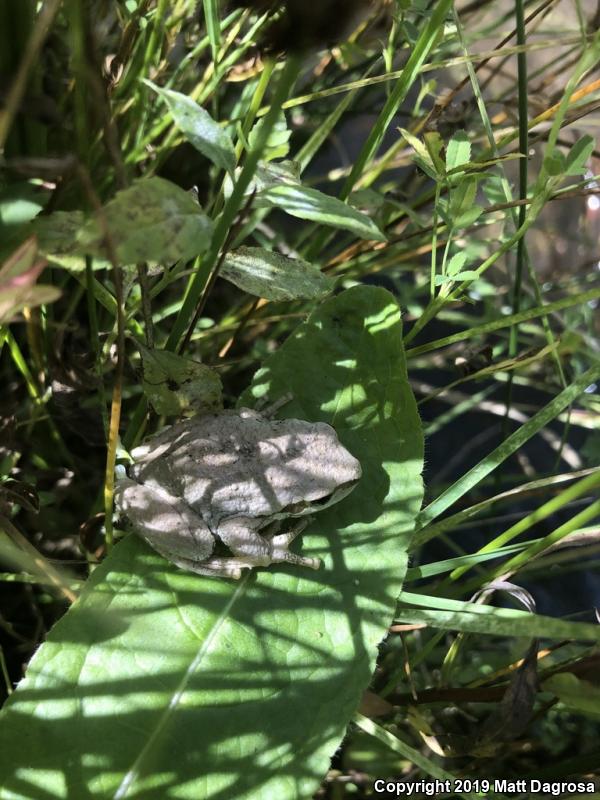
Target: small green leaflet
428,155
175,385
273,276
579,695
57,238
267,175
467,218
575,162
468,275
305,203
423,158
435,147
198,127
153,220
579,155
555,164
278,142
458,151
462,198
456,263
18,276
454,270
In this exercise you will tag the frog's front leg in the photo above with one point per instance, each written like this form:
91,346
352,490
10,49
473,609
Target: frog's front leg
244,541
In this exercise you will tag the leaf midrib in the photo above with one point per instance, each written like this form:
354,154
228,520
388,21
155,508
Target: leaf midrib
136,768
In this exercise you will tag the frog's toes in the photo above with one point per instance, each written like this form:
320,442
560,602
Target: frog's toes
279,547
281,555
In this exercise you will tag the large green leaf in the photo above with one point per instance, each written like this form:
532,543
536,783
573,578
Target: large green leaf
163,684
152,220
57,232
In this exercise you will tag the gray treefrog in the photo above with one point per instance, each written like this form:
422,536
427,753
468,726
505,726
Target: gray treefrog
228,478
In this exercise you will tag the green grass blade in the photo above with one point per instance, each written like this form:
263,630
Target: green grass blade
456,615
504,322
213,27
551,507
413,756
423,46
509,446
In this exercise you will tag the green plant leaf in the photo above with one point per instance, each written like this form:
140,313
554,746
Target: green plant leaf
278,142
153,220
213,27
555,164
198,127
57,238
18,276
462,197
367,200
578,156
160,683
305,203
267,174
456,263
467,275
176,385
275,174
576,694
423,157
458,151
273,276
57,232
435,146
14,300
468,217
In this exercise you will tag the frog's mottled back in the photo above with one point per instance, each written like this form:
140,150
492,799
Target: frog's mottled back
240,463
225,482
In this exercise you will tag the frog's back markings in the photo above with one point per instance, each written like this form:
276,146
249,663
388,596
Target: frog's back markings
253,466
223,478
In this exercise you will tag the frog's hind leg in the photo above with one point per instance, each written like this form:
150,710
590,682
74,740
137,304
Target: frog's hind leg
248,545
